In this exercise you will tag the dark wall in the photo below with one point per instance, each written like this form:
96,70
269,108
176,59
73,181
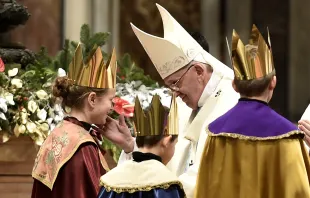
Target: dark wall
44,27
145,15
274,14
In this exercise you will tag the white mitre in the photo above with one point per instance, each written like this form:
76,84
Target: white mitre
176,49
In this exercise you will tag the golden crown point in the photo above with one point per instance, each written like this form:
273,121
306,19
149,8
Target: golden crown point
95,72
254,60
156,120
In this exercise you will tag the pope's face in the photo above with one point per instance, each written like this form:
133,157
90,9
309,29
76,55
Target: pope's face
189,83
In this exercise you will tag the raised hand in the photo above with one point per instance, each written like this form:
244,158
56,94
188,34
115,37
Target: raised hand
118,132
304,125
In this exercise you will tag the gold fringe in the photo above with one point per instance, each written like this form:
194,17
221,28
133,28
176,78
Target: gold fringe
253,138
142,188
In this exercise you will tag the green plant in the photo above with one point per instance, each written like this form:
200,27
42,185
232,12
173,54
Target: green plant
128,71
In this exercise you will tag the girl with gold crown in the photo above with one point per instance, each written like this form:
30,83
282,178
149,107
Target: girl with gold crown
70,163
147,175
252,151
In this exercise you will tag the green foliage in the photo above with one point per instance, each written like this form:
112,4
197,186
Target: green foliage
84,33
128,71
64,57
41,72
107,145
92,41
89,42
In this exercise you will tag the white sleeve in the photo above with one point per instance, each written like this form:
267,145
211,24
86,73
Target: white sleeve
188,179
126,156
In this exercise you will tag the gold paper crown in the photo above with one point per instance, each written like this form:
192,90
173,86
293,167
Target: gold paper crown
252,61
95,73
156,120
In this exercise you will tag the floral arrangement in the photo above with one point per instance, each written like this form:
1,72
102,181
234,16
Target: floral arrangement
28,110
25,107
129,91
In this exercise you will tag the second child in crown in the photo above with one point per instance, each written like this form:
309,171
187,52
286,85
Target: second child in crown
147,176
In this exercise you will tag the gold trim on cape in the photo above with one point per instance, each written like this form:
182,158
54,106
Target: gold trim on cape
142,188
253,138
133,176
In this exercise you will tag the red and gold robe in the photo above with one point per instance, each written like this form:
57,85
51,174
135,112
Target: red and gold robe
69,164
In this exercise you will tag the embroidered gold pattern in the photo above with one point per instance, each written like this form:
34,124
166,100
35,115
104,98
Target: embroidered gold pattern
36,160
59,124
41,177
52,158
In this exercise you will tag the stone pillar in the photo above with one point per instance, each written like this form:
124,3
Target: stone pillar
299,63
101,15
219,18
77,12
100,18
211,26
115,25
237,16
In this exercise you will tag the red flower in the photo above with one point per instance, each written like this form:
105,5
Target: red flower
123,77
123,107
2,66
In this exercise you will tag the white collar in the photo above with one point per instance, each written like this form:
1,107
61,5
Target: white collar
209,88
133,176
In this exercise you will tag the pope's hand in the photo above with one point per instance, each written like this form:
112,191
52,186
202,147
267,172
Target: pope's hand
119,133
304,125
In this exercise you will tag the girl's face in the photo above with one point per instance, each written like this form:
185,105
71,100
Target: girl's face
100,106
